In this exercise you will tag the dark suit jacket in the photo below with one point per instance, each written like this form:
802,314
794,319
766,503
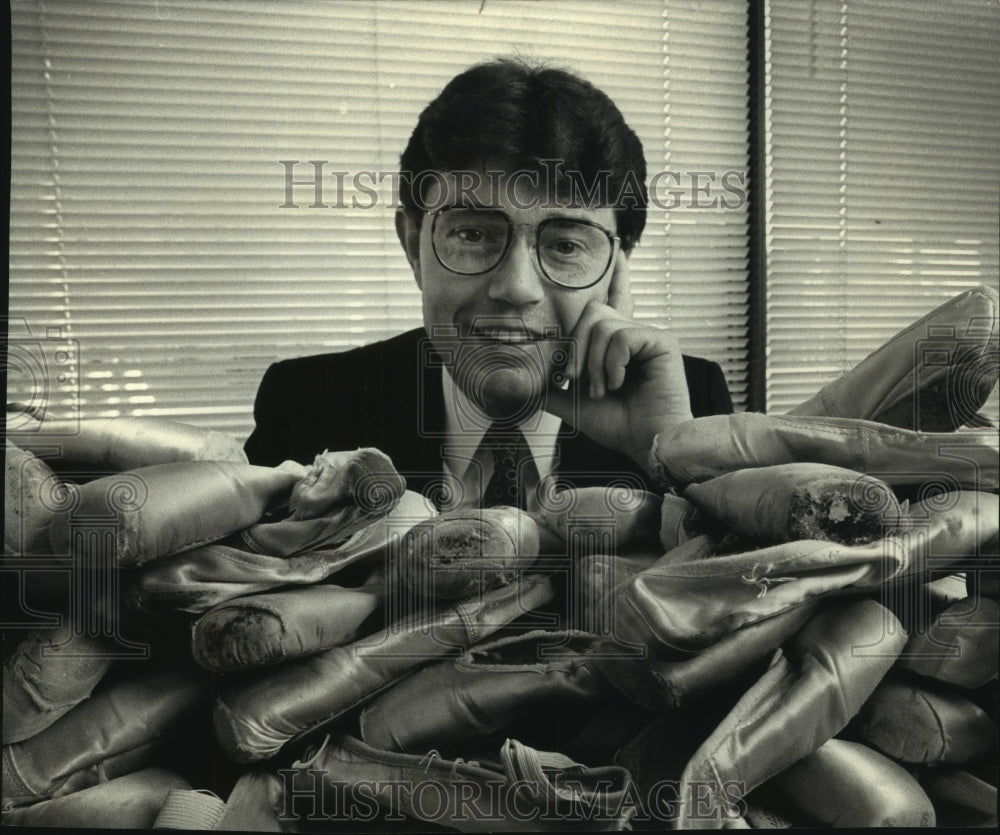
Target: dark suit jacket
388,395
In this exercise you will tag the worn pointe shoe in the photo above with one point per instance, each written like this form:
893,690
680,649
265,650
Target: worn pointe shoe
527,790
264,629
674,683
113,445
29,484
681,521
600,581
933,376
606,520
484,691
197,580
255,717
166,508
961,646
462,553
706,447
815,685
784,502
644,669
129,802
916,720
115,732
848,785
960,799
690,605
51,671
341,494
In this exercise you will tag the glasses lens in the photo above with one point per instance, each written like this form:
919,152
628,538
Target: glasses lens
470,241
573,253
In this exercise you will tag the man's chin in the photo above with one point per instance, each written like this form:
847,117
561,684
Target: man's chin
508,395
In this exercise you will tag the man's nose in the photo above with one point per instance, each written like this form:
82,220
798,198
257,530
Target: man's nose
517,279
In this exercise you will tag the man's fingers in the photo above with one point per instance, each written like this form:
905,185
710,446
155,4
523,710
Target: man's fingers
597,349
580,337
620,291
616,359
572,369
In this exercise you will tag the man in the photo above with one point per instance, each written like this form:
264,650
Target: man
523,195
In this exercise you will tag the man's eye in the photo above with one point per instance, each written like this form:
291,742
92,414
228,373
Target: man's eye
469,235
566,247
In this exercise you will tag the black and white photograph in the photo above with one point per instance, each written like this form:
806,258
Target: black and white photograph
502,416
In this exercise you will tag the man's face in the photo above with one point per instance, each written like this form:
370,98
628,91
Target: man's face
511,323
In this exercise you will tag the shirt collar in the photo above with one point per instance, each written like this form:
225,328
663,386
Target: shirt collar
540,435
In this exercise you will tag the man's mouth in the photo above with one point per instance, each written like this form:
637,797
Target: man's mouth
509,332
506,335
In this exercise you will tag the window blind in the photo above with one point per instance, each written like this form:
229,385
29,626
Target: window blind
149,250
883,155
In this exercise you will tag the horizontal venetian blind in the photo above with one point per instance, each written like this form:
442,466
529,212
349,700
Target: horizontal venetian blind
149,246
705,224
883,150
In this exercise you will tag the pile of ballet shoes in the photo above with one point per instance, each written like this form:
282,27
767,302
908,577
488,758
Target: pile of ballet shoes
798,628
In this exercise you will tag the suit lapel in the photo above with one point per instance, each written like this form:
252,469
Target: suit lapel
418,415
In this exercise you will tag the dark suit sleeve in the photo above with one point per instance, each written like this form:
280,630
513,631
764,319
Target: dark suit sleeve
719,399
264,444
339,401
707,387
299,412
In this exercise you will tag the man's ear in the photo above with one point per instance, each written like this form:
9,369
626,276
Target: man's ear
408,231
620,289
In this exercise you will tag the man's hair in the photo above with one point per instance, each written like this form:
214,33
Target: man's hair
508,112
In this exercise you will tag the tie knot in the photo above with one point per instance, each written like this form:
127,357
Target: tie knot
503,435
510,456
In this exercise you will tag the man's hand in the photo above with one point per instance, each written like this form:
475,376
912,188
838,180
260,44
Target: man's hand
630,379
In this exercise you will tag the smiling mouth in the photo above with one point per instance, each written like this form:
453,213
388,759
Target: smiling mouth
506,336
506,330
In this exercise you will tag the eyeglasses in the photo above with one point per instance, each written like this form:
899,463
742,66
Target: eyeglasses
571,253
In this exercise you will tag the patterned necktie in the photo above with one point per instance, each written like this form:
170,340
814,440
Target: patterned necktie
511,458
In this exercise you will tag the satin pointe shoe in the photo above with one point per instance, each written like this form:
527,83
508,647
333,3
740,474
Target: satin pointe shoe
918,720
846,784
814,686
961,646
196,580
265,629
117,731
255,716
646,671
29,484
689,605
525,790
484,691
705,447
932,376
341,494
132,801
960,799
50,672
